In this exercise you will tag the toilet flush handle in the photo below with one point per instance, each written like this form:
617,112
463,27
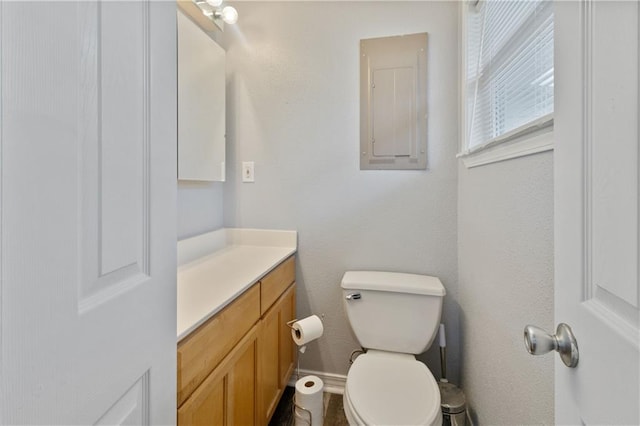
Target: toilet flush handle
353,296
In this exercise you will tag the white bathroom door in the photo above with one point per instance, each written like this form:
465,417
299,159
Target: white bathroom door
87,212
596,209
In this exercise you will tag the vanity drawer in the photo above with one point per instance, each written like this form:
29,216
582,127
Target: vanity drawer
276,282
201,351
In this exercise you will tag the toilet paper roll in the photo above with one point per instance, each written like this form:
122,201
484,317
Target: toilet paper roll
309,395
307,329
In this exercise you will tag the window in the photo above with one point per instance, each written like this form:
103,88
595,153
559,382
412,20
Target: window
508,73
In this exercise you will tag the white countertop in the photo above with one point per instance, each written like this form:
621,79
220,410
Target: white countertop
215,268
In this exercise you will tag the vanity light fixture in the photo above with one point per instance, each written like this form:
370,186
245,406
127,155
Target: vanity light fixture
228,14
212,9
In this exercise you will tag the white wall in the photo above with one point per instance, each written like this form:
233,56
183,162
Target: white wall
293,108
505,269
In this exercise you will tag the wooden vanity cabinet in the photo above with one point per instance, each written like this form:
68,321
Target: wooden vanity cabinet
227,395
202,350
233,369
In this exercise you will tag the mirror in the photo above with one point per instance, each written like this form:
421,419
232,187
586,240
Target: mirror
201,104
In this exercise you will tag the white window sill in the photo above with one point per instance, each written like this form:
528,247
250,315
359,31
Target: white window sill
513,147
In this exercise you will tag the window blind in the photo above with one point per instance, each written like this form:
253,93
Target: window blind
509,74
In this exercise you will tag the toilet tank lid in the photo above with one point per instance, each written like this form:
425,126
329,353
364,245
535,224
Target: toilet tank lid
392,281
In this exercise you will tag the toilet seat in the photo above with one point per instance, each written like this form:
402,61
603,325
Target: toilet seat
385,388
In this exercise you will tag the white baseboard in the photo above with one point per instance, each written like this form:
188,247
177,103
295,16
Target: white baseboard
333,383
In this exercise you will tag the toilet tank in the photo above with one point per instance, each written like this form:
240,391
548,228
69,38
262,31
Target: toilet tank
394,312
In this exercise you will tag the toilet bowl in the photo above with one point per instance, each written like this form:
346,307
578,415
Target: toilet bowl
394,317
391,389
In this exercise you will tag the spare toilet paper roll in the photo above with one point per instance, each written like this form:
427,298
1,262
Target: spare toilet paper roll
309,396
307,329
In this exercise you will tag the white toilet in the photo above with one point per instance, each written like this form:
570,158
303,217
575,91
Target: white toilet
394,317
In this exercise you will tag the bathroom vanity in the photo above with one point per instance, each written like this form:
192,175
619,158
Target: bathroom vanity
236,292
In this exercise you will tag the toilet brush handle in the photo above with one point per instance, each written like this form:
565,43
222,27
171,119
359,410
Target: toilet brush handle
443,352
443,363
442,336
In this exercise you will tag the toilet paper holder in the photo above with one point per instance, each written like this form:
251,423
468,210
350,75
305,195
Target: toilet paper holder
293,321
295,414
308,401
295,404
290,323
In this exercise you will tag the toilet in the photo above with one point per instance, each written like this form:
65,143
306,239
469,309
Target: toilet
394,316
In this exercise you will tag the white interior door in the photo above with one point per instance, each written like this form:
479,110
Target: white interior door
88,181
596,209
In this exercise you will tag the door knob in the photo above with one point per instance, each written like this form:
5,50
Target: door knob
539,342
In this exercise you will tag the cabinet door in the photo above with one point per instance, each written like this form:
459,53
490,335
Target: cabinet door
275,354
227,396
206,405
241,382
288,349
268,364
201,104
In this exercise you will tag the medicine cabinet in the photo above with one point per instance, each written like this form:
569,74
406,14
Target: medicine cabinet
201,104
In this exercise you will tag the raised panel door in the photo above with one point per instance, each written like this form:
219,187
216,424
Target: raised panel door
88,202
597,194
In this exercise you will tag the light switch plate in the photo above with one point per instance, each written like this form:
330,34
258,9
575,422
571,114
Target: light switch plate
248,171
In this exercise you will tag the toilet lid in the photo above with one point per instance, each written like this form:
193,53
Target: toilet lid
393,389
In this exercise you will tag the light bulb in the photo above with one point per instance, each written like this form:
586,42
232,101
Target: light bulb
214,3
229,15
